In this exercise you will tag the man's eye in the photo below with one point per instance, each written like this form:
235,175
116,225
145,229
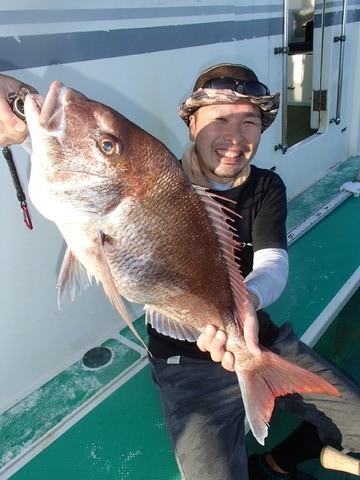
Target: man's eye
253,122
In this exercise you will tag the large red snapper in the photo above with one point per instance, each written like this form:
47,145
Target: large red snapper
132,220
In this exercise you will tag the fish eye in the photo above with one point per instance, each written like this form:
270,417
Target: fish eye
108,145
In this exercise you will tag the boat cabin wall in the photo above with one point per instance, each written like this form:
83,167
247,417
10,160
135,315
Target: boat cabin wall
336,129
142,60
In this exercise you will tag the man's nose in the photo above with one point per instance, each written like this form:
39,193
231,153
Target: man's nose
234,134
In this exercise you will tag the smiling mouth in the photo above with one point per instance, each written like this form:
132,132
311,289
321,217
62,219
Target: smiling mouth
229,154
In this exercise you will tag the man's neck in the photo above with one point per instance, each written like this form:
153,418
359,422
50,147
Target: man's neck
221,187
233,182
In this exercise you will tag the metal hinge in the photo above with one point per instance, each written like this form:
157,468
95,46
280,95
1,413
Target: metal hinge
282,50
319,100
282,146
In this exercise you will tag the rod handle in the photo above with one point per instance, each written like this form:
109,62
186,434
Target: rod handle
335,460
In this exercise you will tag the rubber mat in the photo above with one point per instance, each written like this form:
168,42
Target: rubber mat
122,438
319,266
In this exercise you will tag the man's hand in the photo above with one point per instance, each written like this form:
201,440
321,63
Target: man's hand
214,341
12,129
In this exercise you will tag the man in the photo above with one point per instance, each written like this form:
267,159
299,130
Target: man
227,112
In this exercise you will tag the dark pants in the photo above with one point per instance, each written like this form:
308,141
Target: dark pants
204,413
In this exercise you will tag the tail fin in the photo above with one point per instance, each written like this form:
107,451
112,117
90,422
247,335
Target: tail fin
272,377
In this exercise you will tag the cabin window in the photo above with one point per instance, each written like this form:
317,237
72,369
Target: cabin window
300,54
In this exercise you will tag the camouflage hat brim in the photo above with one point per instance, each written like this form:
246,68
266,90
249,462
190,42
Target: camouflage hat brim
269,104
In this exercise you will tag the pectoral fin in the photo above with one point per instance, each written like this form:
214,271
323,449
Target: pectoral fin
73,279
109,285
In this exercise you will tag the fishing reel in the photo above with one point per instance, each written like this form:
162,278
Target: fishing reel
17,100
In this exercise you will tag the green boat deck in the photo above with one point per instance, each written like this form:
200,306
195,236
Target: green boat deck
107,423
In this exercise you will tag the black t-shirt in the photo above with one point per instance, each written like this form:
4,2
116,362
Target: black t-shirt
261,202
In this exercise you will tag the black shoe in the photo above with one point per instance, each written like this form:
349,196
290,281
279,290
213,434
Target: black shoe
259,469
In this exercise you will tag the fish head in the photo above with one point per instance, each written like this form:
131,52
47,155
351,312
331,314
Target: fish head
86,156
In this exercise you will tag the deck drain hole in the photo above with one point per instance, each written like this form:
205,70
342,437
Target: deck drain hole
97,357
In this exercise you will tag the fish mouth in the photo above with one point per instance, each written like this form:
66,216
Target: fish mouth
46,113
51,114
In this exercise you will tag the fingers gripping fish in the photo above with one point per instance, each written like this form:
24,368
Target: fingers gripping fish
132,220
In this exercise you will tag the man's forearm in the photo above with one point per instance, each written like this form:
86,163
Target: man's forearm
269,276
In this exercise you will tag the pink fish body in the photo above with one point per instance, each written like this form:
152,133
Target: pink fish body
133,221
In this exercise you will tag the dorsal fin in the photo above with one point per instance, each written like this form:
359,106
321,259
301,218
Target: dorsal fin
229,245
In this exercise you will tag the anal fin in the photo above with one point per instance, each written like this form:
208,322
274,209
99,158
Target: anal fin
170,328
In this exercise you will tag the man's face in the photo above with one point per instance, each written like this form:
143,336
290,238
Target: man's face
226,138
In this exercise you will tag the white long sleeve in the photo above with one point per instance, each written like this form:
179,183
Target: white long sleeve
269,275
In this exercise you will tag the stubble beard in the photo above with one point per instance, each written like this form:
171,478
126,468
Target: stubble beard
229,175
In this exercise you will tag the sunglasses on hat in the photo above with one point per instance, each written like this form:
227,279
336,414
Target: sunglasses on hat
245,87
